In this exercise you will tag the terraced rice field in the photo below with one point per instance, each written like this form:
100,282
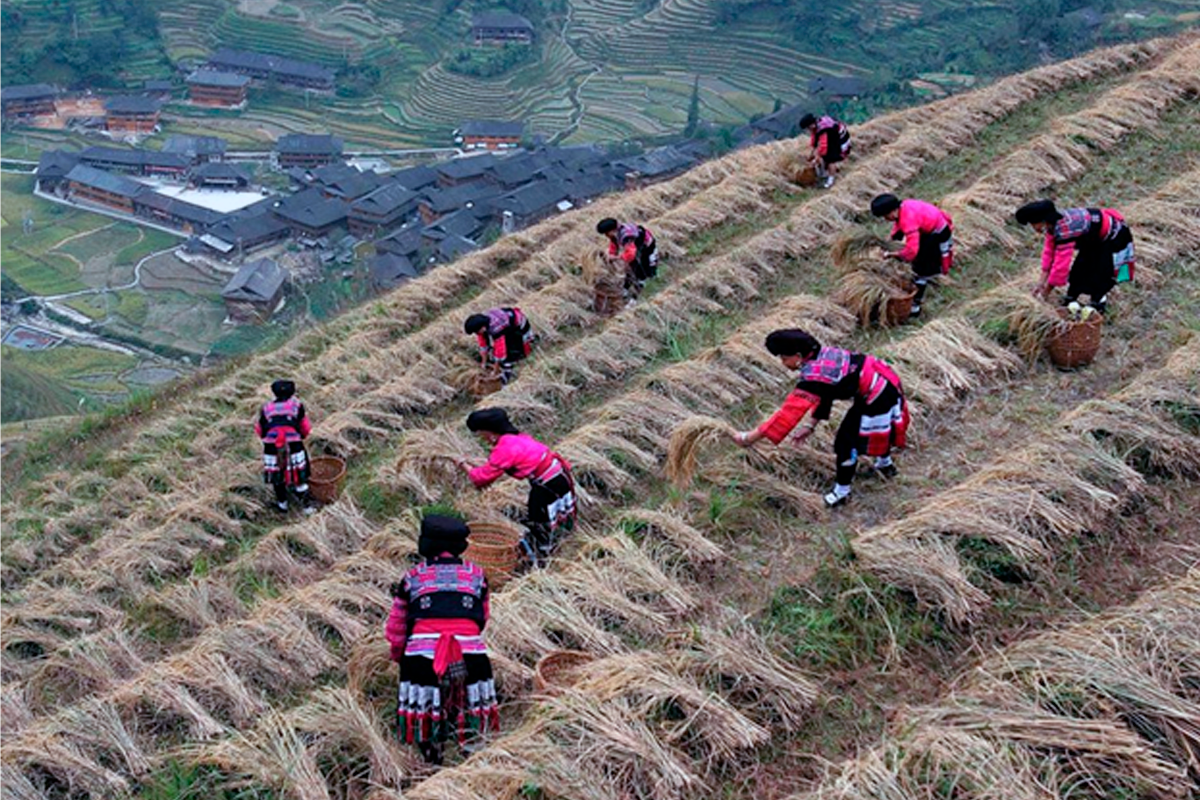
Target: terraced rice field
158,622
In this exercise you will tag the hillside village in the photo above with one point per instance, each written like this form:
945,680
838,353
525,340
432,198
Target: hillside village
321,200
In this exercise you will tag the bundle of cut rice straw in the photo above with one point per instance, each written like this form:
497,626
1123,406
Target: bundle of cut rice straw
687,439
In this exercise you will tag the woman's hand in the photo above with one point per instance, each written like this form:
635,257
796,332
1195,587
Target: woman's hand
745,438
801,435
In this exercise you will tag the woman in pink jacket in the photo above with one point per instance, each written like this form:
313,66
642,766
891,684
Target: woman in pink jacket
1086,249
928,234
551,509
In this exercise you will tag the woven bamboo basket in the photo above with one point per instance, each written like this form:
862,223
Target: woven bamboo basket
609,297
805,176
898,309
325,477
1074,344
555,670
495,547
484,383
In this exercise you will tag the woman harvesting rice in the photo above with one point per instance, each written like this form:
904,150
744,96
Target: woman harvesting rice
877,419
435,631
551,488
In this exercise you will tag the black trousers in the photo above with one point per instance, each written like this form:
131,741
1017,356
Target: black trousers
848,443
1092,270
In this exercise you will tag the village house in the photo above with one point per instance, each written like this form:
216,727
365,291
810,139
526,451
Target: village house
284,71
381,210
781,124
135,162
415,178
90,185
309,213
174,213
405,241
131,114
452,247
836,87
462,171
354,186
653,165
461,223
533,203
207,87
307,150
196,149
254,293
244,232
217,175
498,28
389,270
159,89
53,167
30,100
436,203
484,134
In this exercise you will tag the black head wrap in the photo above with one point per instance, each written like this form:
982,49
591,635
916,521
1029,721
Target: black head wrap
441,534
884,204
283,389
475,323
807,121
792,342
491,420
1038,211
606,225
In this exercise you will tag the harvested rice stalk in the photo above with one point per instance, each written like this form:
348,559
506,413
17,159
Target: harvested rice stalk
687,439
433,454
857,251
1011,313
688,541
865,292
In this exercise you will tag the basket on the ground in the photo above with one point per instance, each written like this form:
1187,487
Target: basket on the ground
898,309
325,477
484,383
555,669
806,176
495,546
1074,343
609,298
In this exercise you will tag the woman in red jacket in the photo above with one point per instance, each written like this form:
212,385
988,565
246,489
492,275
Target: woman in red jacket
435,632
876,422
928,234
282,425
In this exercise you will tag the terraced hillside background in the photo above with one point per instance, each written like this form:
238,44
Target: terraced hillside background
975,623
601,69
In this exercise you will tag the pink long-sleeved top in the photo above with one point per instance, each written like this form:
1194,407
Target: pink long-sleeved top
515,454
917,217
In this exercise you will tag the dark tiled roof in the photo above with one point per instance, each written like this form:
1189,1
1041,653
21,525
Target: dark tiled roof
441,201
31,91
460,223
781,124
452,247
405,241
220,171
158,86
56,163
194,145
519,168
309,208
250,228
133,158
332,173
212,77
492,128
105,181
415,178
837,84
386,200
354,186
185,211
466,167
537,197
389,268
256,282
585,185
285,67
132,104
659,161
493,19
309,144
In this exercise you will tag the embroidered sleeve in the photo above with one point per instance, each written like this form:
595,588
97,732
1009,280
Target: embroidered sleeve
397,628
912,237
482,339
305,427
260,424
823,143
500,347
788,416
629,252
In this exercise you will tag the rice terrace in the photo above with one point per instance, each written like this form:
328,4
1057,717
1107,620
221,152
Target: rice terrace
1015,615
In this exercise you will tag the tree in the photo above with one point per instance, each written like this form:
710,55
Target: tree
693,117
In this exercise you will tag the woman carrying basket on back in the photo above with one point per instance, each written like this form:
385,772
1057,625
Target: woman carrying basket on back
551,511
